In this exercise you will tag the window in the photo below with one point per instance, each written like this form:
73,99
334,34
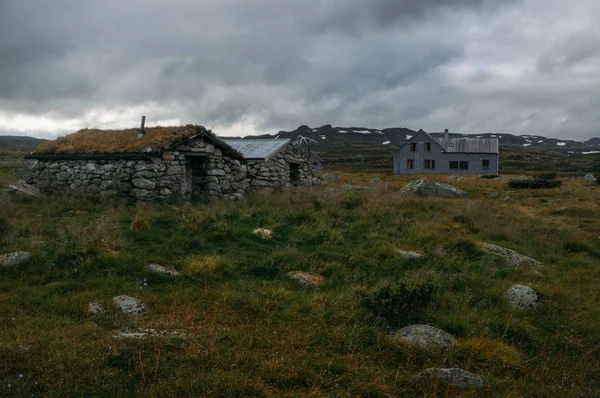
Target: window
427,147
413,147
410,164
453,165
485,163
463,165
429,164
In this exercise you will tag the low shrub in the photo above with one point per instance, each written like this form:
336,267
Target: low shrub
547,176
392,301
490,176
598,180
534,184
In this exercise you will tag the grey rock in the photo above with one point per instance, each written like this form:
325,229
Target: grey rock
425,188
129,305
424,336
522,297
143,183
409,255
21,188
376,180
330,177
513,258
589,178
95,308
457,377
495,195
507,198
304,278
161,269
566,191
15,258
458,178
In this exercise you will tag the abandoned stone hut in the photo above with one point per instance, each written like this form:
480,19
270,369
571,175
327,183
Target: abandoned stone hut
275,163
147,164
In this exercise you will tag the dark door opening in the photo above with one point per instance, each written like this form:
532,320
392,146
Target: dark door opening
294,172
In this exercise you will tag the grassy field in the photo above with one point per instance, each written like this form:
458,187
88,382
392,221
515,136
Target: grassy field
245,329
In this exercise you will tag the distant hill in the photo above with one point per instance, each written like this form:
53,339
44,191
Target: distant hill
20,141
329,136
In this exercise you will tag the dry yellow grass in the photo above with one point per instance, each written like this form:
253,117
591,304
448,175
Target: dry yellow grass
119,141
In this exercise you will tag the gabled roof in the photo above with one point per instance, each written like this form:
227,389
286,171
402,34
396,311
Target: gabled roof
426,135
258,149
96,142
469,145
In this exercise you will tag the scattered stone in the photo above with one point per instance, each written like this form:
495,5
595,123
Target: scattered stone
263,233
376,180
425,188
522,178
500,178
589,178
523,297
454,376
409,255
458,178
424,336
15,258
508,199
566,191
95,308
332,177
21,188
513,258
129,305
148,333
161,269
304,278
495,195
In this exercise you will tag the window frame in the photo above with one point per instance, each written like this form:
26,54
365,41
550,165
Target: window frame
413,146
453,163
485,164
410,164
429,164
427,146
463,163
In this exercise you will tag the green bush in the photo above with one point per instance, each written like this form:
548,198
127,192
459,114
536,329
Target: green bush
534,184
598,180
490,176
392,301
547,176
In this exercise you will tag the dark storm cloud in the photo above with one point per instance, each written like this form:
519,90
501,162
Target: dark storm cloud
471,64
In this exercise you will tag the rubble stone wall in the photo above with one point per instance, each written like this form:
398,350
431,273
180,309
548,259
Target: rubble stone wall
158,176
290,167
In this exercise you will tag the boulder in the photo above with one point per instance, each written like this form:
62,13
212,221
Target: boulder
375,180
589,178
332,177
263,233
453,376
15,258
424,336
304,278
161,269
513,258
425,188
21,188
129,305
95,308
143,183
409,255
524,298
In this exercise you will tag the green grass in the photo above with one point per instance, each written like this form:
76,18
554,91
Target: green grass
250,331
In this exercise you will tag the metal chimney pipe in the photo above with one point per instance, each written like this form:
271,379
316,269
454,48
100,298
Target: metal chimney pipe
446,134
141,131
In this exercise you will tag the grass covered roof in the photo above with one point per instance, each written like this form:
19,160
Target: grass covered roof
156,140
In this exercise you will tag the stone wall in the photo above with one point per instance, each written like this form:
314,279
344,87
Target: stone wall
292,166
157,176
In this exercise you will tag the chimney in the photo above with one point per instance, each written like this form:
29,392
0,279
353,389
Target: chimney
141,131
446,134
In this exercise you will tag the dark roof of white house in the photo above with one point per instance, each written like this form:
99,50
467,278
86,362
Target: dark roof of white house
257,149
469,145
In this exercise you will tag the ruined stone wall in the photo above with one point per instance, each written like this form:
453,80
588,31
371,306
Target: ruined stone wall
277,172
158,176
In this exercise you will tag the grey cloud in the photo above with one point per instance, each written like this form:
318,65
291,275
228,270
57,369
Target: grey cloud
571,51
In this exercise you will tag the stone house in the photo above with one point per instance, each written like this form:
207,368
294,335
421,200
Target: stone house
275,163
423,154
147,164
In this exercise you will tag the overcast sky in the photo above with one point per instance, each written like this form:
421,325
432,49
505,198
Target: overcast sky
259,66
